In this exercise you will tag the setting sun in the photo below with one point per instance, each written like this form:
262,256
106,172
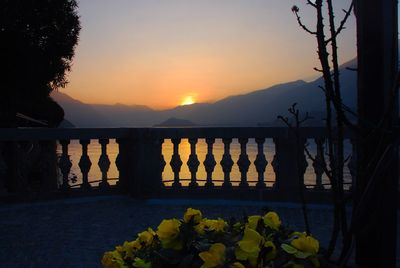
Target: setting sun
187,100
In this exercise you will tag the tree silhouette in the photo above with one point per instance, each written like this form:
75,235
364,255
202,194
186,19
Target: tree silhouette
38,38
375,189
336,112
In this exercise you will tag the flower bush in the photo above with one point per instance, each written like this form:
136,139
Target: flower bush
194,241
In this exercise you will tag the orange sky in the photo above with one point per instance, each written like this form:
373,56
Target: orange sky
157,53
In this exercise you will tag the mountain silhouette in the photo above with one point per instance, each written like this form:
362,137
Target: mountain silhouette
250,109
78,113
176,122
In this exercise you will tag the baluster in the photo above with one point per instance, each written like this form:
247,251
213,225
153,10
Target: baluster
193,163
119,163
260,162
243,163
65,163
104,164
227,163
302,161
176,162
3,170
352,163
162,162
317,164
209,162
85,164
276,166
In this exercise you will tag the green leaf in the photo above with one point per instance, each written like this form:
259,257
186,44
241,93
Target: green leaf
302,255
289,249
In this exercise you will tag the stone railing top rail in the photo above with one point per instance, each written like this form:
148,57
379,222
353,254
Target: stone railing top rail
20,134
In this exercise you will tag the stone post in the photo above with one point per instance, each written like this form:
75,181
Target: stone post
149,166
140,164
286,167
125,163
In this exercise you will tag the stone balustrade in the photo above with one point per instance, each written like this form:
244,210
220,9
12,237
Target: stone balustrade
140,161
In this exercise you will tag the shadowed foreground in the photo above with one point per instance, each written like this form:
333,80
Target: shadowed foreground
76,232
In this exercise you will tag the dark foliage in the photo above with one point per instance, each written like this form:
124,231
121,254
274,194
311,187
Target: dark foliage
37,42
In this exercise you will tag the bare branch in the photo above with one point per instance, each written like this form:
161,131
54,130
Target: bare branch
321,163
285,120
347,158
323,89
348,110
318,70
311,3
342,23
295,10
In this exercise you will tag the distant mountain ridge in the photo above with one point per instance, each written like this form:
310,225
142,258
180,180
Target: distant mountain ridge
249,109
176,122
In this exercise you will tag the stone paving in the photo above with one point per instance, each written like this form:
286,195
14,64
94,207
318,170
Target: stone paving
76,232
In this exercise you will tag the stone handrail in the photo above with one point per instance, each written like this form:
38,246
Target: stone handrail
140,161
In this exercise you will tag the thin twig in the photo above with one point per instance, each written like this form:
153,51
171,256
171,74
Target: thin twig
321,163
295,10
342,23
298,121
318,70
311,3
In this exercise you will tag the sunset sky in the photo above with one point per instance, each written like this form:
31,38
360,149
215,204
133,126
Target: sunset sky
162,53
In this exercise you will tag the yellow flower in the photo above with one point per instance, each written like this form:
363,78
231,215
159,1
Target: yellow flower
113,259
252,221
249,247
271,219
146,237
139,263
214,257
128,249
302,246
168,232
218,225
200,228
192,214
238,265
306,243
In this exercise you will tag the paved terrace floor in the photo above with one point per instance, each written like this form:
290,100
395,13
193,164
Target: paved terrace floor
76,232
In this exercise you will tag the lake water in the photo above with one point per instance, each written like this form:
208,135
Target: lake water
94,151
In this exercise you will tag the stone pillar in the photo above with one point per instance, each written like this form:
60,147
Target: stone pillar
140,164
125,163
47,165
148,167
286,167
